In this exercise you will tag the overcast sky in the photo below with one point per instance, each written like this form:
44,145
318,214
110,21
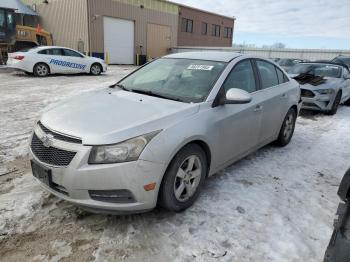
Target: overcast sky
297,23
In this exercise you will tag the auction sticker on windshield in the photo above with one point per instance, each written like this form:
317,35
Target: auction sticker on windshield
200,67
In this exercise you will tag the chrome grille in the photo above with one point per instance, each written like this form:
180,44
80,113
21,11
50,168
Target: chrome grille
50,155
60,136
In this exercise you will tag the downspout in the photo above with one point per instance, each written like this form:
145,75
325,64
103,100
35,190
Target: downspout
88,21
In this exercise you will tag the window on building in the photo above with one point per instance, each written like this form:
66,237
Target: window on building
187,25
215,30
204,28
228,32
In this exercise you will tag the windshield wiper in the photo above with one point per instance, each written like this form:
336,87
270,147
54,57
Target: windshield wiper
120,86
150,93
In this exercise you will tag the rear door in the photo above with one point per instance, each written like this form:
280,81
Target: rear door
274,93
53,57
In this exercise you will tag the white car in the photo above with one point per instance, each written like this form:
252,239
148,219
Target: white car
44,60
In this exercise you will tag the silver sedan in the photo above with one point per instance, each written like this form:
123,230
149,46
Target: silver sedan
155,136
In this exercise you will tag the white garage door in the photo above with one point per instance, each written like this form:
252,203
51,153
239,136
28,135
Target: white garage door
119,40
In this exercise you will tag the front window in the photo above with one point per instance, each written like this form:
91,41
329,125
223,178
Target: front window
10,21
2,19
68,52
186,80
317,70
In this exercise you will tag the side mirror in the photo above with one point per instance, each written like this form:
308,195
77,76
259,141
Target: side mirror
238,96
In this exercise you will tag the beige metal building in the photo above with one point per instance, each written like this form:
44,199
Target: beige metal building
120,29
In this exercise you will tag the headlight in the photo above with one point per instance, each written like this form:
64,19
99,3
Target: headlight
325,91
126,151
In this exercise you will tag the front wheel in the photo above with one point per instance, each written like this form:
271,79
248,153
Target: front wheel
96,69
335,105
287,129
183,179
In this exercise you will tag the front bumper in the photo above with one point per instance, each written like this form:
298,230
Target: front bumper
318,102
74,182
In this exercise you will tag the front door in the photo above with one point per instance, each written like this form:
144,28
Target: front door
238,125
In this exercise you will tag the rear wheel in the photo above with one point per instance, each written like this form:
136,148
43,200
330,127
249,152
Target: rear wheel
96,69
287,129
335,105
184,179
41,70
347,102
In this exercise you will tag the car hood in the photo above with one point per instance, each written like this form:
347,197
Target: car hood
330,83
109,116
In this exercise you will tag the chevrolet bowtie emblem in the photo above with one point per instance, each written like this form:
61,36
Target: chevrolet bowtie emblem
47,140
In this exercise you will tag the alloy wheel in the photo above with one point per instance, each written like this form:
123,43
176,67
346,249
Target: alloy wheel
187,178
95,69
41,70
289,126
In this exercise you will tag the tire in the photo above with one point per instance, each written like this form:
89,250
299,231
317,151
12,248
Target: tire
287,129
335,105
96,69
41,70
347,102
186,171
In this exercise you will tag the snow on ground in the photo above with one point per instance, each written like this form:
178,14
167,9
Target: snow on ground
277,204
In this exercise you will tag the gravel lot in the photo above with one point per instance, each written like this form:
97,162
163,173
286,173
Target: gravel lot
277,204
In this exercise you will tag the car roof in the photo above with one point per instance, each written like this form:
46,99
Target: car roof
51,46
220,56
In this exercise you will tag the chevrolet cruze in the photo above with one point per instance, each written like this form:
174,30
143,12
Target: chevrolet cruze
154,137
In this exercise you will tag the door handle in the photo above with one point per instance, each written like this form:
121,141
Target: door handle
283,96
258,108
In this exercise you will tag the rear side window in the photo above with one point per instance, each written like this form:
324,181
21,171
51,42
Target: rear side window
282,78
55,51
268,74
242,77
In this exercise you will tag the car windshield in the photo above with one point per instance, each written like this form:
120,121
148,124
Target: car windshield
286,62
342,60
317,70
184,80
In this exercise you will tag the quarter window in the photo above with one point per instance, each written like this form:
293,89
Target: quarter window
268,74
187,25
242,77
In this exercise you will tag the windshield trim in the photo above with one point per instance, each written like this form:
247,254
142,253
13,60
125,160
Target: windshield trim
204,99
